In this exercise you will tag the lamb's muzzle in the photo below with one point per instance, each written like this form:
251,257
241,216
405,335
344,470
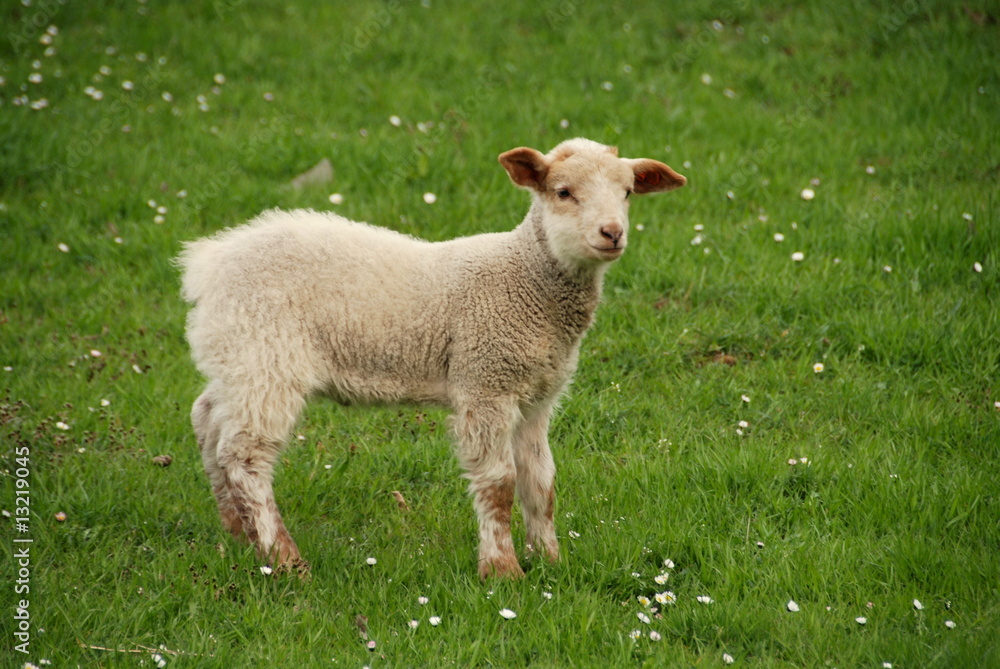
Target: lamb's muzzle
301,303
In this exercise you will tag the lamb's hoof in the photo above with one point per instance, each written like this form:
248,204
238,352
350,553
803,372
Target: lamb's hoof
550,552
502,567
299,567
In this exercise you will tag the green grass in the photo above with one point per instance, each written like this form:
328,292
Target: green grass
899,499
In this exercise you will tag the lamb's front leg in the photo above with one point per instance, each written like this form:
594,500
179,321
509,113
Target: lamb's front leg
536,482
483,430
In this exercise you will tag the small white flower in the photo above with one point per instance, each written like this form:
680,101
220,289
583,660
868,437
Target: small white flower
640,227
422,600
508,614
105,403
62,426
887,665
745,398
666,597
266,570
564,123
63,247
268,97
760,544
792,606
662,578
608,86
977,267
798,256
219,78
793,461
744,424
643,600
706,79
967,216
861,620
414,624
729,93
668,563
803,461
699,227
950,624
727,658
696,240
35,77
395,121
917,605
654,636
778,237
807,194
643,617
336,198
818,367
870,169
635,634
434,621
887,269
430,198
94,353
167,96
371,561
704,599
159,219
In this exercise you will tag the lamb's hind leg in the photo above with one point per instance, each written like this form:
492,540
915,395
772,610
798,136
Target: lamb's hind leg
536,483
246,454
484,431
205,419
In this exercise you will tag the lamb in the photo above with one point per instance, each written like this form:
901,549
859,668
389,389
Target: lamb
301,303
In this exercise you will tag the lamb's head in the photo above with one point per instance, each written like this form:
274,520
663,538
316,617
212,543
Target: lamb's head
581,189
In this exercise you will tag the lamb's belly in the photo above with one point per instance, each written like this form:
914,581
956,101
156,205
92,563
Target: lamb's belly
368,389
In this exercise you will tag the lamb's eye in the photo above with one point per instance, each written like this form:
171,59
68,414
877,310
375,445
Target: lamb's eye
628,192
563,193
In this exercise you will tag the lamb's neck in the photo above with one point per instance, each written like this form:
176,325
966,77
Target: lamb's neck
573,291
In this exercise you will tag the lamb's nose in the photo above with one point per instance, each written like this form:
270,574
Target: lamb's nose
612,232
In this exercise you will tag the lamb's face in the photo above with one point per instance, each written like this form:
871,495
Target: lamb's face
583,189
585,203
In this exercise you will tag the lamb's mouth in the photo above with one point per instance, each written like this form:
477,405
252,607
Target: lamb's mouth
612,252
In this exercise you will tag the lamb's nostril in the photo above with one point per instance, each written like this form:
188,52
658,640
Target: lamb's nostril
612,232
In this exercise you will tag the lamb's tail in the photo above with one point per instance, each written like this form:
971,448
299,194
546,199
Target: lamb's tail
199,268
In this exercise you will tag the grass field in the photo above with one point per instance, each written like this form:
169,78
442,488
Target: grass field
697,387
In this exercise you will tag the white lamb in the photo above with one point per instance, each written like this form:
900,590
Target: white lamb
301,303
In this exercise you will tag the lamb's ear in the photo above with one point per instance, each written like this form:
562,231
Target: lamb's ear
526,167
652,176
